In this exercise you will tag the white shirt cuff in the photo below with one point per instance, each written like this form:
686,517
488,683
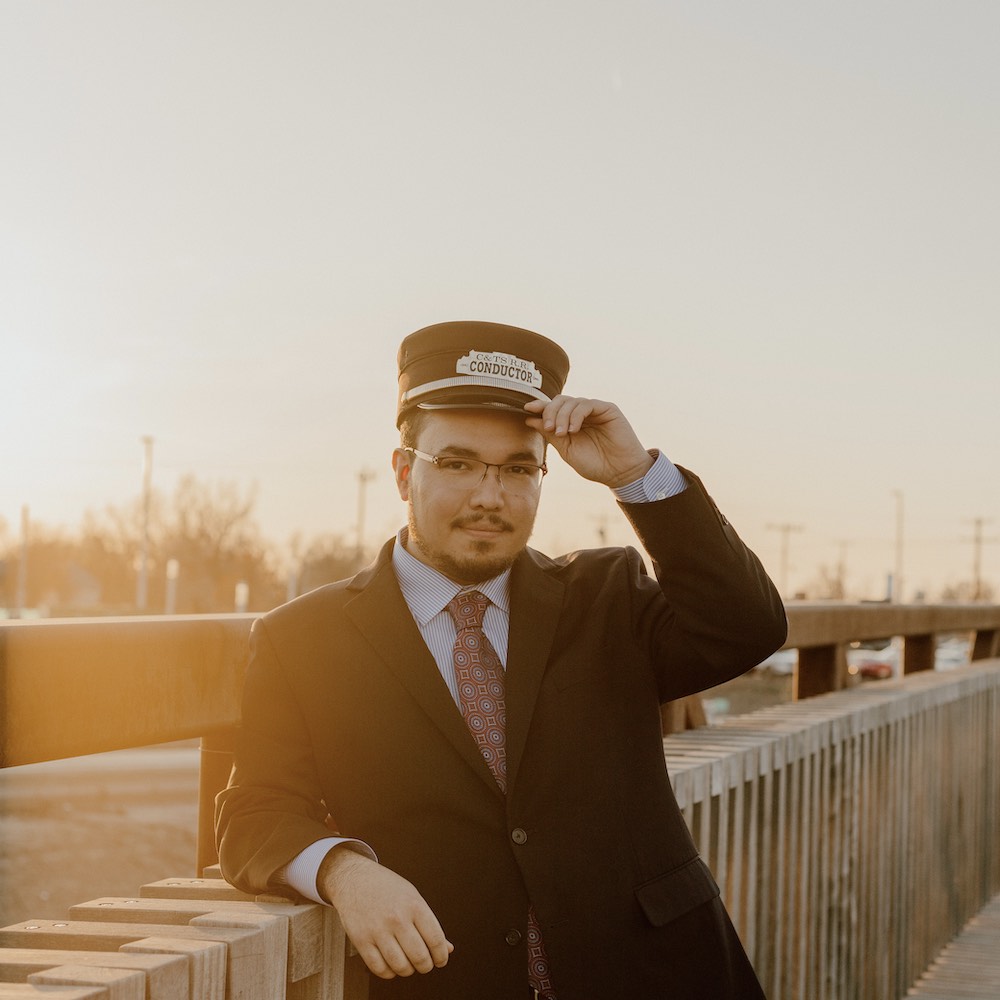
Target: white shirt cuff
662,480
302,871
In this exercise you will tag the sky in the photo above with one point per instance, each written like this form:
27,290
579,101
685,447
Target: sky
768,231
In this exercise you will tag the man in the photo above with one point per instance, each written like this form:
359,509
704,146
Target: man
482,722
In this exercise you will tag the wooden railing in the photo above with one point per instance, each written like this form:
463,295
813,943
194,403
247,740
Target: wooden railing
823,632
851,833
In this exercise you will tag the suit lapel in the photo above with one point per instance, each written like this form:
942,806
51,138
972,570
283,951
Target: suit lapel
535,606
380,612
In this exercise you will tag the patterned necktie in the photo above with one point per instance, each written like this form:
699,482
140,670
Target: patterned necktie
480,677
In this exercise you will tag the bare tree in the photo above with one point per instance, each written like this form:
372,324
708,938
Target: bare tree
327,559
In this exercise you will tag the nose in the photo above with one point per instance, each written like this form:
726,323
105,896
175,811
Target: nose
490,492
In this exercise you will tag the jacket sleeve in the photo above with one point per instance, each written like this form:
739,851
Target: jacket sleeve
272,808
722,614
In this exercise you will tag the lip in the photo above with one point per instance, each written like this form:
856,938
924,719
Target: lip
479,529
482,531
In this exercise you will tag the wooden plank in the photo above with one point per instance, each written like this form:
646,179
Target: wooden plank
328,983
158,678
32,991
118,984
256,945
166,975
195,888
305,921
259,973
206,962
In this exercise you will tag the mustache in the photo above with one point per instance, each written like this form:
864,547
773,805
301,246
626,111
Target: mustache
492,520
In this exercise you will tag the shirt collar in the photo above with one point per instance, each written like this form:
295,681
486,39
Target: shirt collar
428,592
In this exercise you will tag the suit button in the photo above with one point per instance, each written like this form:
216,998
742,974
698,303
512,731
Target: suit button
513,937
518,836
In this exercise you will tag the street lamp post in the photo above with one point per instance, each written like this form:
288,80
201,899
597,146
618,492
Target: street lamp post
141,583
897,576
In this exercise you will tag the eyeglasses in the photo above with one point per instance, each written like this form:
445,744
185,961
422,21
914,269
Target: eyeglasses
468,473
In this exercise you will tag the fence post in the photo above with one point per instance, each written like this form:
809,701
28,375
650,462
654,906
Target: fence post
820,669
918,652
986,644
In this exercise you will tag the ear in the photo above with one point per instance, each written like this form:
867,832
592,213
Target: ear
401,468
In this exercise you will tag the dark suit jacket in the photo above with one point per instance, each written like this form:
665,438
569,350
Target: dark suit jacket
345,711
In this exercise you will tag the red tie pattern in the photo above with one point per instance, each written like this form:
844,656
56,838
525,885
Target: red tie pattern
480,678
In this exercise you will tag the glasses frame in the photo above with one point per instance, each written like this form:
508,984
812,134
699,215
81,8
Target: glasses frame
436,460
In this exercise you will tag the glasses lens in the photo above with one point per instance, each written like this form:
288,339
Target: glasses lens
520,478
467,473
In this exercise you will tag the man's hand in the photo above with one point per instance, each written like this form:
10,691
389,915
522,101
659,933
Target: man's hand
592,437
385,917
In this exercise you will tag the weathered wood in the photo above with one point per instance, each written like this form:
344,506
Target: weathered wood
256,946
986,643
261,971
918,653
825,623
33,991
305,922
820,669
206,962
684,713
166,975
84,686
860,798
117,984
969,966
194,888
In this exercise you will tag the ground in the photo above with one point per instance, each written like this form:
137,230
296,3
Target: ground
94,826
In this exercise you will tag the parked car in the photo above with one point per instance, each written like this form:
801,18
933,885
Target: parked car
871,670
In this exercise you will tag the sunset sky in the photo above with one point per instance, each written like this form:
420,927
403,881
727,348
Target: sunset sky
769,231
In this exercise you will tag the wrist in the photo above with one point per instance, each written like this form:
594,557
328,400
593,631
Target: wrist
642,464
336,870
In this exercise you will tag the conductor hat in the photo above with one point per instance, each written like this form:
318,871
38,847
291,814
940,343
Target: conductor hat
471,364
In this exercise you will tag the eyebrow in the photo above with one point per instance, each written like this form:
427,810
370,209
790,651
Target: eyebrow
518,456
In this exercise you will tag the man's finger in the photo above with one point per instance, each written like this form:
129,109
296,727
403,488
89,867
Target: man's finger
414,950
372,957
432,935
397,958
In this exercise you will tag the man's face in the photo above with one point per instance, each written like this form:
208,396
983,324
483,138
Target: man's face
468,533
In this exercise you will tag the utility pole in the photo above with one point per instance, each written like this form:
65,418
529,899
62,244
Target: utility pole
22,564
842,569
141,583
977,554
365,476
786,530
897,576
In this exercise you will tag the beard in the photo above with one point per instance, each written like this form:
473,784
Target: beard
482,564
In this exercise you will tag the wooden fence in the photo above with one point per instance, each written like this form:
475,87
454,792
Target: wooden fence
852,833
